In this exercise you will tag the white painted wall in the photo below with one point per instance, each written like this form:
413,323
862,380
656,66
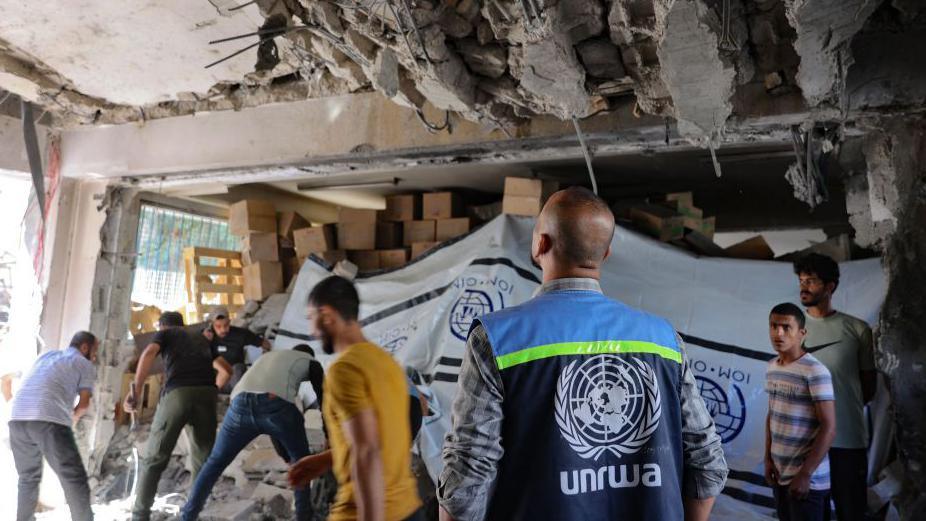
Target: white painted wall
76,247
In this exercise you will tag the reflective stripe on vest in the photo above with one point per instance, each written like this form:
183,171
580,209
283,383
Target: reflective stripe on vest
592,416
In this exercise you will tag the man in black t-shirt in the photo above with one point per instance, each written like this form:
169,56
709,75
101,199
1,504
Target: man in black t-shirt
229,341
192,375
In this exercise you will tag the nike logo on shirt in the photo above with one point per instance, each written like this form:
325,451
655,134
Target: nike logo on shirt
812,349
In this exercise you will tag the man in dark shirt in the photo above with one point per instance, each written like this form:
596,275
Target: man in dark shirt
193,375
229,341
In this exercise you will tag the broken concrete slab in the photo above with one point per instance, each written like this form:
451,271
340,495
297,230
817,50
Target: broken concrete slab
487,60
263,460
578,20
239,510
556,77
700,83
824,29
601,58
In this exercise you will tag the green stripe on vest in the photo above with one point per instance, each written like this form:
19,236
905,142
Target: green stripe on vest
585,348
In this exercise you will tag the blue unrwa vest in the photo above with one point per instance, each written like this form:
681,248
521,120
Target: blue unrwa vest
592,419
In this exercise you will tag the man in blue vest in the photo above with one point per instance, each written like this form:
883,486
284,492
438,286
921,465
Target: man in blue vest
574,406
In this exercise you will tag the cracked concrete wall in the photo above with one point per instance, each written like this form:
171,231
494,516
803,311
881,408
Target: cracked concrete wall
109,318
901,350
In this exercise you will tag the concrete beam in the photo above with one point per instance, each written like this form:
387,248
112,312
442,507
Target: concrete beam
353,133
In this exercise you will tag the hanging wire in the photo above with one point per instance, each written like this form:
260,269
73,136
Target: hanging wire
587,153
432,128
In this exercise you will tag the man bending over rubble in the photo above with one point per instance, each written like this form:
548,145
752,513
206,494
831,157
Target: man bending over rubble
366,415
263,402
40,426
193,376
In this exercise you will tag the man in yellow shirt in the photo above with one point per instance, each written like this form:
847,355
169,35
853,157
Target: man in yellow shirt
366,414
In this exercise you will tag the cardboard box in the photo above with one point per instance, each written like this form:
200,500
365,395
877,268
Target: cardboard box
420,248
388,235
708,226
659,222
262,279
313,240
755,248
258,247
441,205
402,208
366,260
683,198
252,215
331,257
394,258
146,400
524,187
446,229
289,222
357,236
418,231
522,205
356,215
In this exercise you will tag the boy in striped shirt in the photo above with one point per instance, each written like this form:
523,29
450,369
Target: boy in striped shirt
801,422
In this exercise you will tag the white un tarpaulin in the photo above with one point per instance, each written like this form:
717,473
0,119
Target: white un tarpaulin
422,312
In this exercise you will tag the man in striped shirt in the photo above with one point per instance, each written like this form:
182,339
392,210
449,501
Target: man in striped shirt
40,425
801,421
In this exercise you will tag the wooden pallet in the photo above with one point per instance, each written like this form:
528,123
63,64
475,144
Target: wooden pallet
209,286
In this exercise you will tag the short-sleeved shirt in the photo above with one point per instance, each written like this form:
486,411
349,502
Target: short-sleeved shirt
231,346
793,390
49,390
364,377
279,373
187,359
843,344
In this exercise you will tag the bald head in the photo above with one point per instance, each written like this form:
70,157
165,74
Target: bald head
579,226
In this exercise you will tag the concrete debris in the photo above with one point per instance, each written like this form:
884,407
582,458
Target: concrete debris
601,58
555,77
345,269
453,24
260,461
824,29
700,83
339,64
578,20
486,60
805,187
277,502
240,510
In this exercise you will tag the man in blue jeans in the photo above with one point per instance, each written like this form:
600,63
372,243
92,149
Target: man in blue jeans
263,402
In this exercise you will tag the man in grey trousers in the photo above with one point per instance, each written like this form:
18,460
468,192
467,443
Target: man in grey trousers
41,420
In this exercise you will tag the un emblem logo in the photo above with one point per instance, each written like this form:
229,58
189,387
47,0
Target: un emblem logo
607,404
728,410
472,304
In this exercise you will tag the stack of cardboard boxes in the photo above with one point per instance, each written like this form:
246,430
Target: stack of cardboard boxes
255,222
526,196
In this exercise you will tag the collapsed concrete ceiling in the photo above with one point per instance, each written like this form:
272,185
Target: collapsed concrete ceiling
493,61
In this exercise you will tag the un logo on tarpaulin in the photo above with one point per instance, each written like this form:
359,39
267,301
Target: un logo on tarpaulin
607,404
472,304
728,410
